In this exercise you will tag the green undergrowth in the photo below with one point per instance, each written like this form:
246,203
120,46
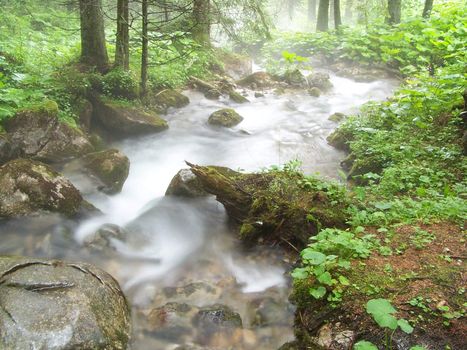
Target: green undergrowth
39,61
406,170
414,45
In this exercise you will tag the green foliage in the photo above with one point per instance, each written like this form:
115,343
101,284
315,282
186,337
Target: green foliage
414,45
365,345
120,84
328,256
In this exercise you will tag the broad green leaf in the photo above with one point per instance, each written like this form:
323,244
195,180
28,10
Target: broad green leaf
325,278
405,326
300,273
379,306
344,281
386,320
364,345
313,257
417,347
318,293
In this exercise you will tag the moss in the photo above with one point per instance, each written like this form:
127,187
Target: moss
47,107
341,139
236,97
314,91
226,117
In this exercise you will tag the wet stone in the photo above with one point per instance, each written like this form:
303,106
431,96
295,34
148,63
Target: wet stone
51,304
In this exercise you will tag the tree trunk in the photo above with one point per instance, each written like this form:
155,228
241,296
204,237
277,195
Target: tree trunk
323,11
337,14
394,10
93,49
312,10
202,22
331,14
122,49
144,47
348,10
427,9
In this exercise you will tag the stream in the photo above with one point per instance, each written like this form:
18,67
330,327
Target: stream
182,251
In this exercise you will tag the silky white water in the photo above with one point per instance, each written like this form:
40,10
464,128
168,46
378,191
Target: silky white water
174,242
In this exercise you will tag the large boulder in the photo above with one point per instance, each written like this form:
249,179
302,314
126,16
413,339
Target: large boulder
111,167
169,98
28,186
226,117
185,184
48,304
124,119
38,134
319,80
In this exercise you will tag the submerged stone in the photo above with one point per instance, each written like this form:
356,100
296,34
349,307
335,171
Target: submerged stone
336,117
236,97
319,80
314,91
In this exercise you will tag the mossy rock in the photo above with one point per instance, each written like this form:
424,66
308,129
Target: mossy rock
125,119
28,186
341,139
258,80
236,97
295,78
226,117
52,304
38,134
110,166
314,91
319,80
336,117
169,98
362,166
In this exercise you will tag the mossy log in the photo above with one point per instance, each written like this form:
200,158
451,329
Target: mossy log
273,205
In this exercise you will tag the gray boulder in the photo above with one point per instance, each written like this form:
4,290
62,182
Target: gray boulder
47,304
111,167
185,184
28,186
226,117
38,134
319,80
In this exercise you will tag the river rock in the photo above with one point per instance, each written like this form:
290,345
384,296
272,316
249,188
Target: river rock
215,322
226,117
173,321
336,117
47,304
126,120
196,293
268,312
314,91
8,151
169,98
102,239
295,78
28,186
39,134
110,166
258,80
85,114
236,97
185,184
319,80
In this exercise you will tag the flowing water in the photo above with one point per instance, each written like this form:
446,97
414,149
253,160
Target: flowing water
182,250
